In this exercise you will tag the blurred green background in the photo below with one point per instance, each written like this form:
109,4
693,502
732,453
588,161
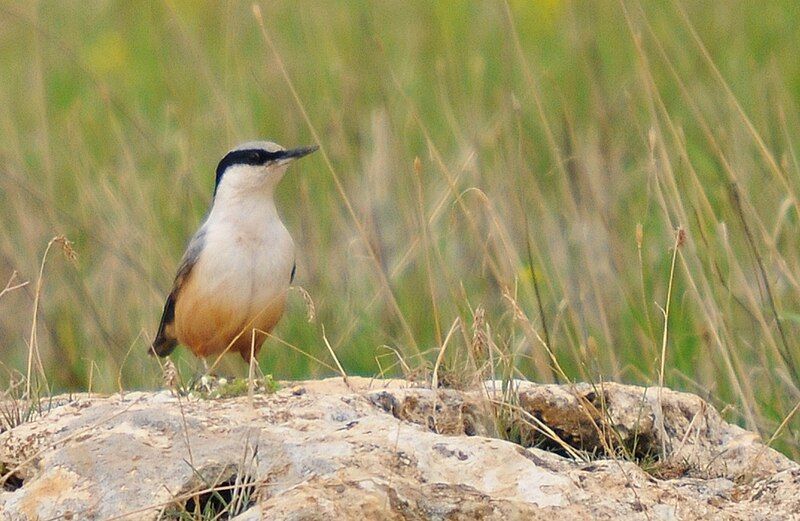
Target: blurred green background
561,146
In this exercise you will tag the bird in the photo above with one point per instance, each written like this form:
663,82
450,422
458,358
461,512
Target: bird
231,286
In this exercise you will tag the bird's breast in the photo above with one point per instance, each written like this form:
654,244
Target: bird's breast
245,266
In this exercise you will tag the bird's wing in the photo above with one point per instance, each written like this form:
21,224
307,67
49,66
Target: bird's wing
165,340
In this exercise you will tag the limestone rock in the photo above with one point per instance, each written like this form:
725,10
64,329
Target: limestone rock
378,449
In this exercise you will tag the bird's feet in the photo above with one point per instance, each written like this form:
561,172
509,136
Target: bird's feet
208,385
205,381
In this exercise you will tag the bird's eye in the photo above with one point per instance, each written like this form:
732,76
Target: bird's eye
255,157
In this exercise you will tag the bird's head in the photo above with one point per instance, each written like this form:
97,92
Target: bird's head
254,168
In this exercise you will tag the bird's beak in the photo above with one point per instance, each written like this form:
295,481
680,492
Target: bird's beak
296,153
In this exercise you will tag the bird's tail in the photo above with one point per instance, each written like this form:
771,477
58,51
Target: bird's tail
162,346
165,341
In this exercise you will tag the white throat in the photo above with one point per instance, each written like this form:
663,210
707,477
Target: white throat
249,214
244,223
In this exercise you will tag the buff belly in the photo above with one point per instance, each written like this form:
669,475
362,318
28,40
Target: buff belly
234,296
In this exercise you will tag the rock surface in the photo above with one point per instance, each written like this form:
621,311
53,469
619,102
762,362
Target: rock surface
377,449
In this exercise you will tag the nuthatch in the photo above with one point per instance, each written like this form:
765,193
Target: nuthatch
232,281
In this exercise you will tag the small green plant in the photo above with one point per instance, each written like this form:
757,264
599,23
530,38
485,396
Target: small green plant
16,407
223,500
210,387
217,494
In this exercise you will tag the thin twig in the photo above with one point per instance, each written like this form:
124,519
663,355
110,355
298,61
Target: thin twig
33,345
440,357
9,288
679,238
333,355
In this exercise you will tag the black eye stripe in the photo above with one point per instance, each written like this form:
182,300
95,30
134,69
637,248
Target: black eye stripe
252,156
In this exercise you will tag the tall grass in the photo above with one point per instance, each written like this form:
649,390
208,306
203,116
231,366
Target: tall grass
560,146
